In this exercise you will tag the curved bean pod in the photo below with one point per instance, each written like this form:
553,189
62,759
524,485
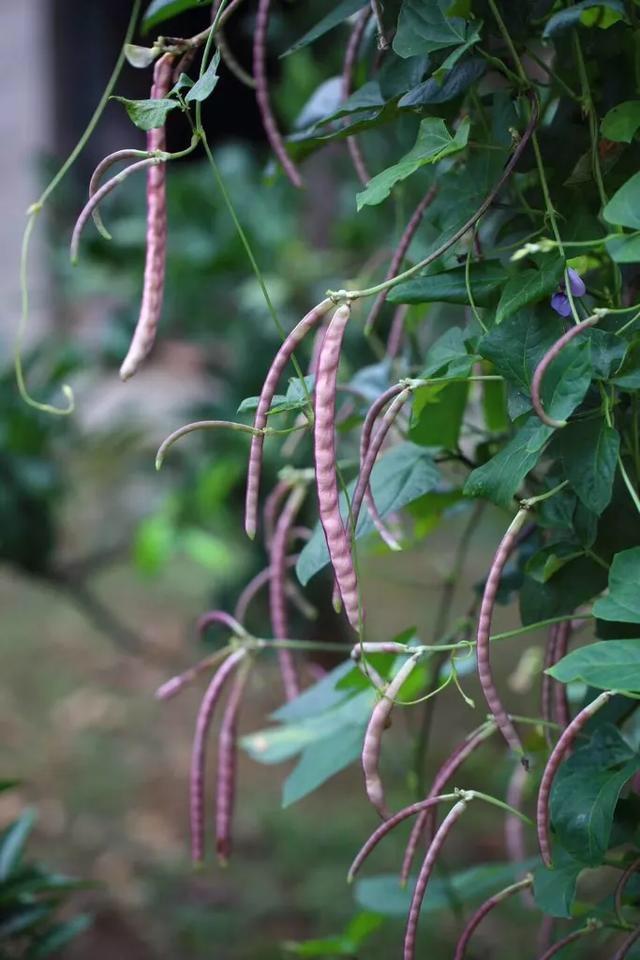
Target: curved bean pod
198,754
262,93
424,876
282,357
485,673
387,827
174,685
324,443
373,736
255,584
396,331
227,765
97,176
484,909
426,822
400,253
628,943
559,945
154,269
270,510
220,616
350,58
277,595
550,355
558,754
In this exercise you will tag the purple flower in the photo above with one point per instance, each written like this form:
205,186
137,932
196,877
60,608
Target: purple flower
560,300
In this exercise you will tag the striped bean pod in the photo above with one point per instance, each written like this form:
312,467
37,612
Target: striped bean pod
281,359
227,765
550,355
400,253
256,584
485,673
97,175
223,618
277,593
381,832
350,59
154,269
324,442
272,505
373,413
198,753
262,93
426,822
373,736
564,744
486,908
425,875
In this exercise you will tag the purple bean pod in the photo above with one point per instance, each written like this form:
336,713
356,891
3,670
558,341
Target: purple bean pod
550,355
277,595
155,263
272,505
171,687
633,937
559,945
483,653
400,253
198,754
384,646
350,59
426,822
564,744
227,765
381,832
262,93
97,175
97,198
372,415
373,736
324,442
560,700
282,357
222,617
546,693
396,331
622,882
424,876
254,586
490,904
513,826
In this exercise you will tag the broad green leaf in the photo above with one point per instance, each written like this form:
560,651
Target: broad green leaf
148,114
328,22
206,84
384,895
606,664
432,144
454,83
323,695
321,760
499,479
530,286
494,405
624,206
517,345
437,414
623,602
426,25
598,13
294,399
567,379
624,249
621,122
586,791
485,279
448,356
573,584
552,557
12,842
589,454
555,889
160,10
405,473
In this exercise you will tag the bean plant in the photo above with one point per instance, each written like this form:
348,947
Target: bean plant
502,327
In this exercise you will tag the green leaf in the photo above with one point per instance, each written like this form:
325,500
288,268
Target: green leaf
485,279
623,602
206,84
573,584
426,25
517,345
621,122
160,10
598,13
555,889
589,453
328,22
586,791
454,83
606,664
530,286
344,945
402,475
624,248
437,414
546,562
323,695
624,206
148,114
322,760
432,144
448,356
12,842
384,895
499,479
